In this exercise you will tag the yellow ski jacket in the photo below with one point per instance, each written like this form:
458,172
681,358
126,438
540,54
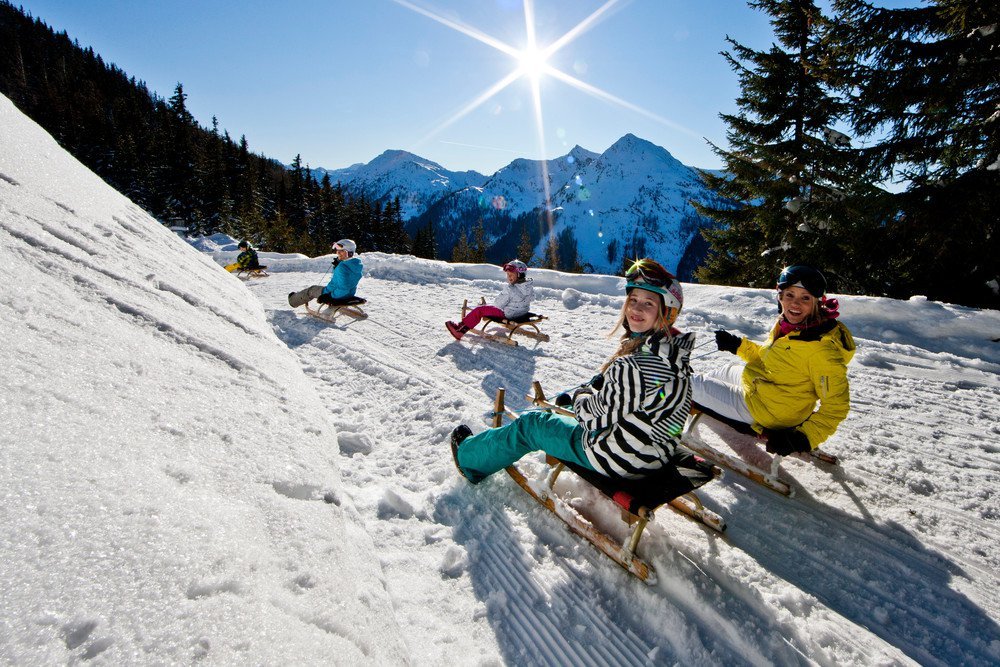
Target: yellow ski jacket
785,377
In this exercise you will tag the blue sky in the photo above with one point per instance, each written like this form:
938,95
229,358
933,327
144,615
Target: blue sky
340,81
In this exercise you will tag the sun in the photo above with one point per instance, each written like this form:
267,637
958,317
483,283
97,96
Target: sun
532,63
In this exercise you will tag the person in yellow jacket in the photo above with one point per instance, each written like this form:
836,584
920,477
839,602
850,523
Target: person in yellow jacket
793,387
246,260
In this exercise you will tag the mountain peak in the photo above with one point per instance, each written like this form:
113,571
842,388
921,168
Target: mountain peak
395,157
632,143
631,146
580,155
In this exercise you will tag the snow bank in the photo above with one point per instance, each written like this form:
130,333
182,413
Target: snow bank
162,456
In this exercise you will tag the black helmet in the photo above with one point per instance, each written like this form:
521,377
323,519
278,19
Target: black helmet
243,244
805,277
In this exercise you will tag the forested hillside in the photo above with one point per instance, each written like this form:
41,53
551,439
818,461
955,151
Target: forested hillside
153,151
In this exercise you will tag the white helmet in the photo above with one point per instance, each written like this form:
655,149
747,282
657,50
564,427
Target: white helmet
346,244
516,265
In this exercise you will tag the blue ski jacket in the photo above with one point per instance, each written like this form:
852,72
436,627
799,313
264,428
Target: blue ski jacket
344,281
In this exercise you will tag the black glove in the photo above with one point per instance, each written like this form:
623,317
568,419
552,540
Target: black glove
786,441
335,262
727,342
564,400
597,382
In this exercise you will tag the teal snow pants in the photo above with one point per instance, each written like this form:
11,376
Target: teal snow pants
485,453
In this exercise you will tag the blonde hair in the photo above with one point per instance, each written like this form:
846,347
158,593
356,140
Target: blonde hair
665,318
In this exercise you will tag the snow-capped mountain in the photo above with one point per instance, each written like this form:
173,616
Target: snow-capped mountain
520,186
417,181
633,200
630,200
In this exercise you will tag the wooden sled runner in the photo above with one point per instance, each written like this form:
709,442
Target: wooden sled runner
636,499
258,272
768,478
525,326
245,273
328,313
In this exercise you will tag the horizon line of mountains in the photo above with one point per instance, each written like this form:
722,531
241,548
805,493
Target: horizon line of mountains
632,200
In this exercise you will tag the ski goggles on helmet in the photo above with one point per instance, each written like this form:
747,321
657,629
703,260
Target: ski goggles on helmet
805,277
516,266
654,278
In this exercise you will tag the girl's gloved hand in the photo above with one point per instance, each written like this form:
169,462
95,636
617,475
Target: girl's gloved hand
727,342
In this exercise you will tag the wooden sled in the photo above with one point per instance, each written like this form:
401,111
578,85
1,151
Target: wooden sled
526,326
768,478
258,272
636,499
328,313
688,504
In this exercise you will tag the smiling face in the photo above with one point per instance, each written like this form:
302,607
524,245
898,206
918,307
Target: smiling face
797,304
642,310
512,276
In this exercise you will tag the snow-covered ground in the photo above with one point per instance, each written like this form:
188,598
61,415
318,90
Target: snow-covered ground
192,471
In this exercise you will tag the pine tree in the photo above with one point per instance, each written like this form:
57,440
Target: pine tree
786,180
398,240
569,256
551,259
424,243
477,254
525,248
181,157
925,87
461,252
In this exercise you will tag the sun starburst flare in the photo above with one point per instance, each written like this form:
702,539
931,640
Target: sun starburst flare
533,64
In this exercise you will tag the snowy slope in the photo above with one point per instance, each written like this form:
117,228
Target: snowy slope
163,458
888,559
140,526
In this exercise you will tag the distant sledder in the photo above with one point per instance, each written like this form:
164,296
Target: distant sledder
247,264
774,395
509,310
338,296
619,431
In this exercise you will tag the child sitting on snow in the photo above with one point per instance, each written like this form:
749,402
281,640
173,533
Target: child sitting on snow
512,303
347,270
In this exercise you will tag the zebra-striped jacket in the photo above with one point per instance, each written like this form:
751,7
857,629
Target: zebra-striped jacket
632,425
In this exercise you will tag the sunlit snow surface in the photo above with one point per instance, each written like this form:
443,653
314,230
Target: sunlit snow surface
193,471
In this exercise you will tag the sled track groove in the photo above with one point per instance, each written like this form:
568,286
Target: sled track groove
509,569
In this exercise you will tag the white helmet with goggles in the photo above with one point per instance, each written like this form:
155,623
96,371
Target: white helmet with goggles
346,244
516,266
651,276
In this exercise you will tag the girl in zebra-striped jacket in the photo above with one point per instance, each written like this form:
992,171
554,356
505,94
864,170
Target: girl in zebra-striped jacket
628,417
632,423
